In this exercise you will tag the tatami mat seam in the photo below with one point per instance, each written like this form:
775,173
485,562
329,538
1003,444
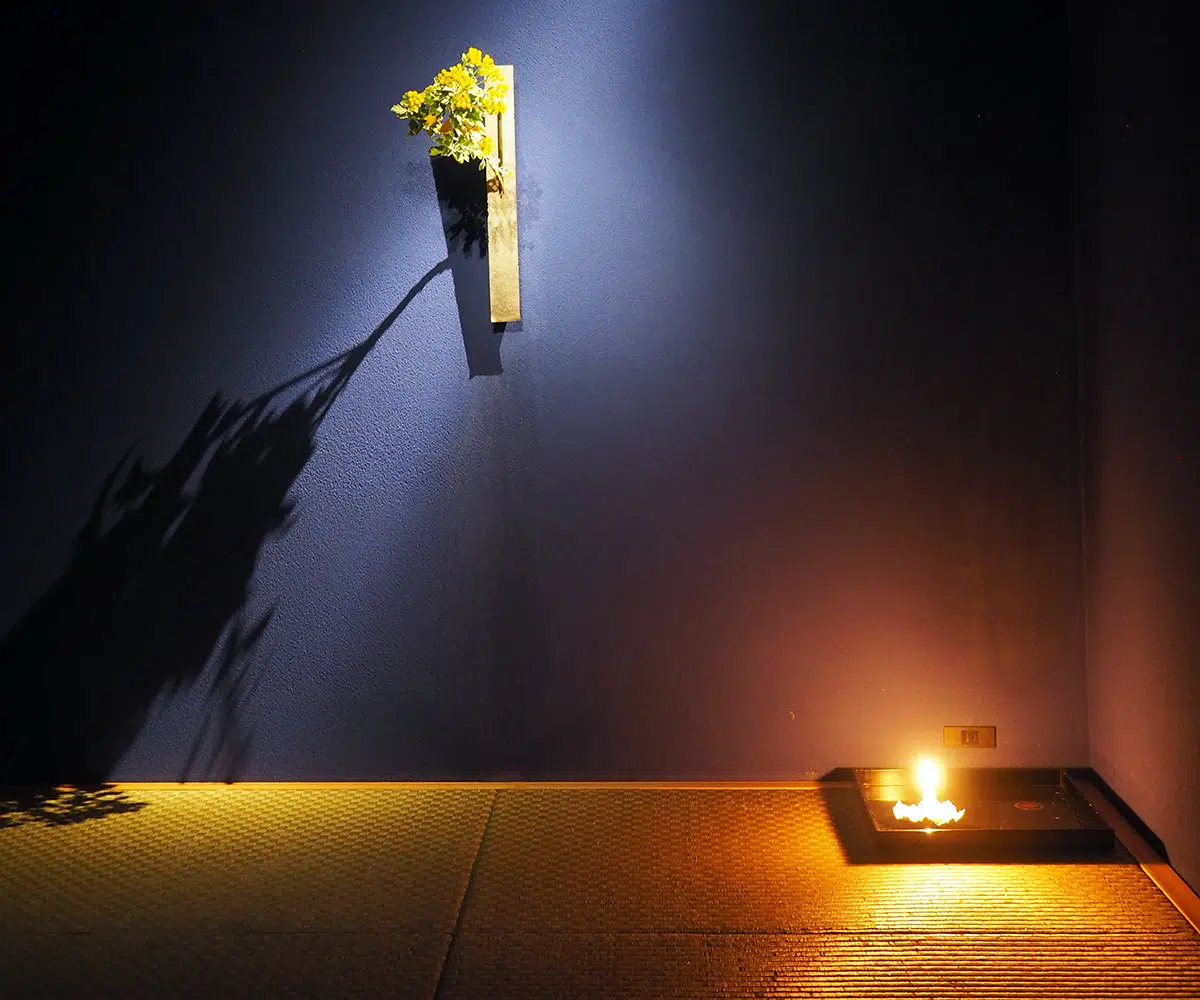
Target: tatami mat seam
462,903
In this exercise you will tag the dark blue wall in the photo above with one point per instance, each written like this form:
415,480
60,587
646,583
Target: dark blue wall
780,473
1139,213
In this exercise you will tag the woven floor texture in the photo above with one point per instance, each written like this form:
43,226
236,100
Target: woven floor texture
528,891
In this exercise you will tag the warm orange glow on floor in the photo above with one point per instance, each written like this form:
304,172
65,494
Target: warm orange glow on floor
532,890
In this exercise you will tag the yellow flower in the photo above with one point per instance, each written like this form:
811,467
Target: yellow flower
450,107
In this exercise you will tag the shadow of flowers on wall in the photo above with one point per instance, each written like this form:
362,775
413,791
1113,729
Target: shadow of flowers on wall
157,590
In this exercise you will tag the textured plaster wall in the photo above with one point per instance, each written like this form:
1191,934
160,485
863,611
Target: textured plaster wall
779,475
1139,209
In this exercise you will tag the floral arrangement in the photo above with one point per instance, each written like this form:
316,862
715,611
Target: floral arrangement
452,109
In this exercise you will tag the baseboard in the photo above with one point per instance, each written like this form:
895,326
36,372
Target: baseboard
1124,808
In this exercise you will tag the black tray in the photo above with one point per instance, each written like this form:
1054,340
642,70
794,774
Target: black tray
1009,812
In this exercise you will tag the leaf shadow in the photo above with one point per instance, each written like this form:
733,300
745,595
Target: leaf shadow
158,590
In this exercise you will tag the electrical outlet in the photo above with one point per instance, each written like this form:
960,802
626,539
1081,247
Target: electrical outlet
971,737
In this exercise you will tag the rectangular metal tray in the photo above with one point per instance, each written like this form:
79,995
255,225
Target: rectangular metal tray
1009,812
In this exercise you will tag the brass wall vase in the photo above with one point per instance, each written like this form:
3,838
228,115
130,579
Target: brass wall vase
503,268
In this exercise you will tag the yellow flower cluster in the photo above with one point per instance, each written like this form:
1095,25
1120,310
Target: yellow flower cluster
491,101
452,109
485,64
457,76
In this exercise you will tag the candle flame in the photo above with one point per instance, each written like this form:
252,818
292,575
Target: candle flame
929,808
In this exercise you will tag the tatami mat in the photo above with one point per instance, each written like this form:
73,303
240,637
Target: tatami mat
536,891
765,861
200,963
858,966
265,859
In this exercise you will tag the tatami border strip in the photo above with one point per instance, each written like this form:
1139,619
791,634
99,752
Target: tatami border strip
806,786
